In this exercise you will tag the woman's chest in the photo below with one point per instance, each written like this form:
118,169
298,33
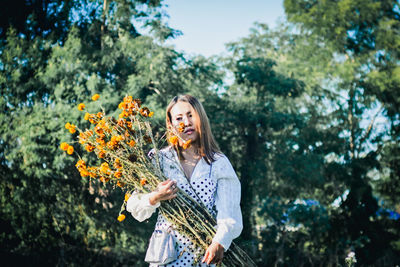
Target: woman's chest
201,186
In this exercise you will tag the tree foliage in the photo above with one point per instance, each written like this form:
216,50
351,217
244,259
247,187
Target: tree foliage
307,113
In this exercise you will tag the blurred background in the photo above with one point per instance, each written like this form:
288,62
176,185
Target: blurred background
306,107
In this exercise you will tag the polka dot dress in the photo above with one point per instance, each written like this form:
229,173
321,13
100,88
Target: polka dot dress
205,188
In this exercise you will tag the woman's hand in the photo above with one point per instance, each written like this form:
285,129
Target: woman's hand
165,190
214,253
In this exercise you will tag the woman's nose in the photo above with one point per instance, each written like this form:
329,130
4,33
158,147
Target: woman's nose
187,121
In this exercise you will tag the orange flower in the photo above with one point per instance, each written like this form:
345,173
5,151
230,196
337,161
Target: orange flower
187,144
127,196
117,164
104,168
100,141
132,143
123,114
129,124
137,102
121,217
80,164
173,140
87,116
92,119
81,107
100,115
127,99
98,130
118,174
181,127
101,154
117,138
70,150
104,180
144,111
121,122
143,181
95,97
89,148
84,173
64,146
120,184
71,128
111,145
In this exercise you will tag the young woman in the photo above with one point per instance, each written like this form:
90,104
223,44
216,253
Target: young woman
209,173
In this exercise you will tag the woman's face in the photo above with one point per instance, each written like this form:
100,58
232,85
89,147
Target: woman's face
184,112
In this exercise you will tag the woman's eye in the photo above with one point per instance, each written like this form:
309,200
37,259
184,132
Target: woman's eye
178,119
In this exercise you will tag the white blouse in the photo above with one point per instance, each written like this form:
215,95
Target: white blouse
223,193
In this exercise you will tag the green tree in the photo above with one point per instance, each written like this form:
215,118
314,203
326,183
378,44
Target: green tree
49,214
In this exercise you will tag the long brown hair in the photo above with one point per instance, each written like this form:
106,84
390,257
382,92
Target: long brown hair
207,146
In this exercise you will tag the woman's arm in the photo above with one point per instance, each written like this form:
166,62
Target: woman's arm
227,202
229,216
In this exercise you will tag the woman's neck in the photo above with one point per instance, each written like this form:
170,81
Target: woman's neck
190,153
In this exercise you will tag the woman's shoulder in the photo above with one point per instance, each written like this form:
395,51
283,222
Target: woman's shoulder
220,159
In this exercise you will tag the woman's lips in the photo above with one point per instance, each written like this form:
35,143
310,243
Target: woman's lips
189,131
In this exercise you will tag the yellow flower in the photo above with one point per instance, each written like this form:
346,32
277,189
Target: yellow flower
70,150
151,114
84,173
187,144
67,125
118,174
81,106
101,154
132,143
181,127
64,146
121,217
95,97
87,116
128,99
117,164
173,140
104,180
72,129
80,164
144,111
89,148
127,196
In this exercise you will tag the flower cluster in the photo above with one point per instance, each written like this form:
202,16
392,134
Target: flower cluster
118,143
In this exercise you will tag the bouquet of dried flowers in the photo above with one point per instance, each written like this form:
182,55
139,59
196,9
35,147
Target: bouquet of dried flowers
121,145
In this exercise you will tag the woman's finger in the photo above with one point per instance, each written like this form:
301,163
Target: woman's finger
172,196
205,256
165,182
210,258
